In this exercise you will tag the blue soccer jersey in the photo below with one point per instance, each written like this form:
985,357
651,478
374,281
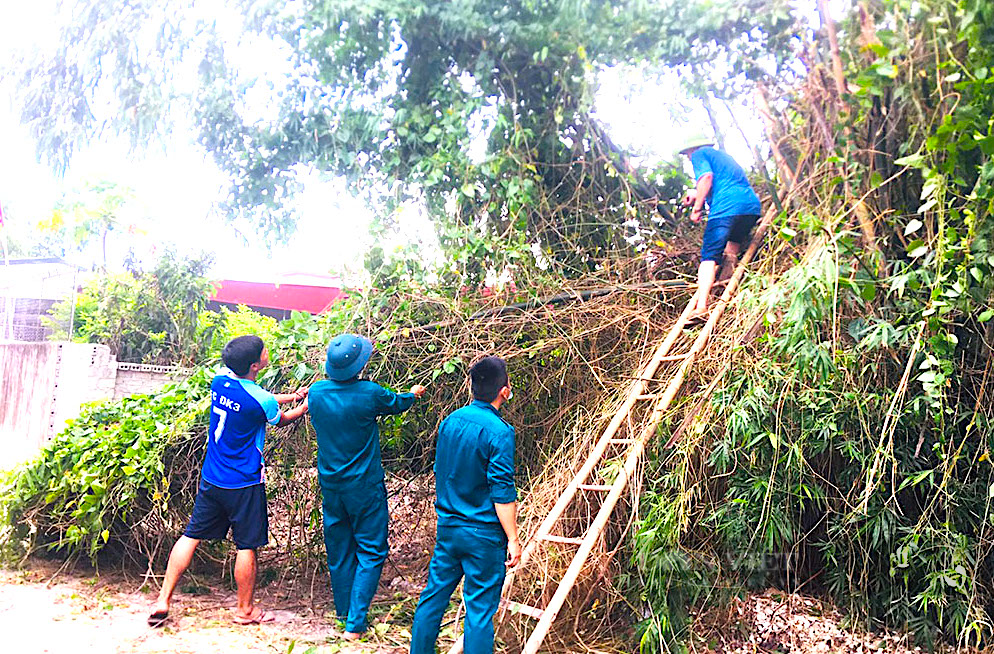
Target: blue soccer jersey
240,410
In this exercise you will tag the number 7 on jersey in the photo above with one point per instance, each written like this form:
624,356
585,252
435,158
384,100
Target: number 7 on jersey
222,416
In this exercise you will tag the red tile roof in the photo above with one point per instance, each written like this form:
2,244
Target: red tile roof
298,297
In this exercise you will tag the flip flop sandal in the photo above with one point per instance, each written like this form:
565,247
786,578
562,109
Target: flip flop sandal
158,618
263,616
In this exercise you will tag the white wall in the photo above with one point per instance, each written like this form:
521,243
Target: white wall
43,385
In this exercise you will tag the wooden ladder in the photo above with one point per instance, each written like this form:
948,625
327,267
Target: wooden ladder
664,370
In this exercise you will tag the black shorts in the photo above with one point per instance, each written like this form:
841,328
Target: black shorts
719,231
243,510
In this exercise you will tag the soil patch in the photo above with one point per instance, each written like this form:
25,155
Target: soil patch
107,613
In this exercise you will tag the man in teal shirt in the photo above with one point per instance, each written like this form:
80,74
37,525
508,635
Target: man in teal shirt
344,410
477,536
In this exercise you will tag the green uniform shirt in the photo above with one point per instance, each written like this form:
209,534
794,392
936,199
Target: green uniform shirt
474,466
344,417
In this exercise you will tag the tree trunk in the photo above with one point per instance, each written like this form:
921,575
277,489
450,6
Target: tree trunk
833,42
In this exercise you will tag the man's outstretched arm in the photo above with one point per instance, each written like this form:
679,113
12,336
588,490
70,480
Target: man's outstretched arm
291,415
296,396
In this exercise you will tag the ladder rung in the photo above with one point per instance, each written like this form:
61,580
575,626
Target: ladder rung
523,609
622,440
562,539
595,487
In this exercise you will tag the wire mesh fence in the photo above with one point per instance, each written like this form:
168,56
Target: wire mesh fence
29,288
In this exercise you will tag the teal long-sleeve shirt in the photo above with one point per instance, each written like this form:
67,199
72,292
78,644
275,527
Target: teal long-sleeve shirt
474,466
344,416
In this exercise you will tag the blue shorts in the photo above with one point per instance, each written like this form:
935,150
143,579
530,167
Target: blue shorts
719,231
243,510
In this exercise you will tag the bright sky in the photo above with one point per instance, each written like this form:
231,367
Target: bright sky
176,189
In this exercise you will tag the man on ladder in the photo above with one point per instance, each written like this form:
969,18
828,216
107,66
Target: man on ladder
733,209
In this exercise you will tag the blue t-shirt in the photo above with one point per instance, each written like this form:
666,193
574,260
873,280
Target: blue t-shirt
474,466
731,194
239,413
344,416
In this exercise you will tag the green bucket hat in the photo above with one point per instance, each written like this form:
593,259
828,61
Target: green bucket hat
694,141
347,355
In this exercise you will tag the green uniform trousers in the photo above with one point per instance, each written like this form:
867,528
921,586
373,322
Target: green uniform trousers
478,554
355,540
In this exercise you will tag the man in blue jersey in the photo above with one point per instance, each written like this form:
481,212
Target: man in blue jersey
232,492
733,209
477,533
343,412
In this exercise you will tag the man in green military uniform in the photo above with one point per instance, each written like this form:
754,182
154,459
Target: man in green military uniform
344,410
477,536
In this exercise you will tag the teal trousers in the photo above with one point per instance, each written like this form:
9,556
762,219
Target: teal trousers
476,554
355,541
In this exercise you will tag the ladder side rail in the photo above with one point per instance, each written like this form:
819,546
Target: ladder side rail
638,388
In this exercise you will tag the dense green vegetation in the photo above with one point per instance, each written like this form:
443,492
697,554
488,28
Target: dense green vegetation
154,316
848,450
124,472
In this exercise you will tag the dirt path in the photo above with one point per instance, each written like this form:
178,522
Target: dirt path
41,612
89,614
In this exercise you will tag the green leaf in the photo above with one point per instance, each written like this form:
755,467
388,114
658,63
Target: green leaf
913,226
879,49
986,315
917,248
887,70
916,479
911,161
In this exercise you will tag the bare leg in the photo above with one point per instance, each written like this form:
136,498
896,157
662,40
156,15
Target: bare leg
705,279
732,250
245,565
179,560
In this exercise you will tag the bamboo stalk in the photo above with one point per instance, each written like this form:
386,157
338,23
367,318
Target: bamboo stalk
788,175
833,43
